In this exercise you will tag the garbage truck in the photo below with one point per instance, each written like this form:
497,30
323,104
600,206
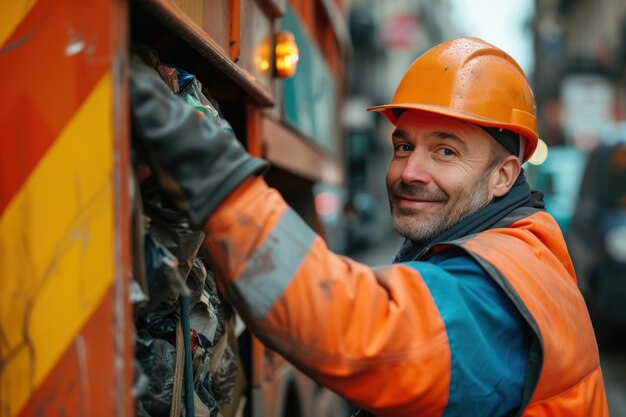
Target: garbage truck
107,306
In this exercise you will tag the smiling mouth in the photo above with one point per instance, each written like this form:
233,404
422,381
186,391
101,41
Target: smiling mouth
418,200
416,197
413,203
415,200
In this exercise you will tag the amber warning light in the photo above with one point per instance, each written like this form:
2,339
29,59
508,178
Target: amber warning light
286,55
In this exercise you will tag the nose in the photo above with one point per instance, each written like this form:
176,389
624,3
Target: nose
416,169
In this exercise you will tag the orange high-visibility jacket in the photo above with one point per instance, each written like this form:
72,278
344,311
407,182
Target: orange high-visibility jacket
375,335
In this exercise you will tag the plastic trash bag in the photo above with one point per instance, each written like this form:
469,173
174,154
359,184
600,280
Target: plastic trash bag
157,400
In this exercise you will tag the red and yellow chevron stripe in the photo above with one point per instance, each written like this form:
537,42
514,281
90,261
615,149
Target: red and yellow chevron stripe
63,343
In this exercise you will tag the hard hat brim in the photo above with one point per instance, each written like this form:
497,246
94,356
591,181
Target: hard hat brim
529,134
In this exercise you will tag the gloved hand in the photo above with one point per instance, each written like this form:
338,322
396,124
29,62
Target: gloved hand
197,159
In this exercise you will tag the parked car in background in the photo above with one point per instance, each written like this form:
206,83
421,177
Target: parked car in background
362,221
558,177
350,221
329,202
597,236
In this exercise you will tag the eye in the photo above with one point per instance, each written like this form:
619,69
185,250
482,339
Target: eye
446,152
402,149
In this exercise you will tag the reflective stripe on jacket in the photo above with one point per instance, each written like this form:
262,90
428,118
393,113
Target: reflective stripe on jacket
375,335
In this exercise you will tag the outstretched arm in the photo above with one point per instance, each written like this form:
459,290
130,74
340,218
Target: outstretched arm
377,336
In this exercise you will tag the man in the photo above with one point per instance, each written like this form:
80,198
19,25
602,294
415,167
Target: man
479,316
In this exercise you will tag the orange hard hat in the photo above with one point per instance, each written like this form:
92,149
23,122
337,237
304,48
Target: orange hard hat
472,80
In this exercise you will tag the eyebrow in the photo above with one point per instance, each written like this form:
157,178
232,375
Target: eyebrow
451,137
400,134
404,135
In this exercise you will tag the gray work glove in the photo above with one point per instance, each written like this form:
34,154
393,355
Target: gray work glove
197,159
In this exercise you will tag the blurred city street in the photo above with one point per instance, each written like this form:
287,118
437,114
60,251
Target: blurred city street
382,251
613,360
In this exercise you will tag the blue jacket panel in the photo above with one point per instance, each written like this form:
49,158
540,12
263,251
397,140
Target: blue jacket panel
489,340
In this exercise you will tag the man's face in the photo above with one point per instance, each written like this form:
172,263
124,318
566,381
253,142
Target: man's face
437,175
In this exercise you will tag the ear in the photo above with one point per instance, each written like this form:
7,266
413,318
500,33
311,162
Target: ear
504,176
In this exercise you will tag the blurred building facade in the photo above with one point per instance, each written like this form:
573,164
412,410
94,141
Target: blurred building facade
386,36
580,69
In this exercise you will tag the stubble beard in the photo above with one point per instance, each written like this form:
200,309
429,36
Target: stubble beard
423,226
